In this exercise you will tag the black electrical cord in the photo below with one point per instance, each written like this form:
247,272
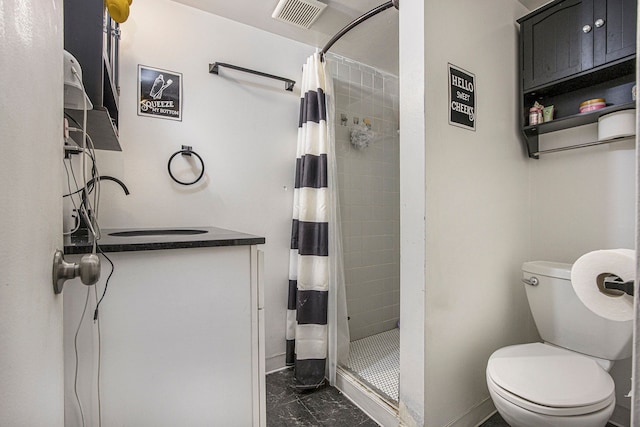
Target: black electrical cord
83,200
85,191
90,184
106,284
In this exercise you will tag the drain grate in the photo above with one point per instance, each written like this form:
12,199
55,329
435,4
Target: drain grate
301,13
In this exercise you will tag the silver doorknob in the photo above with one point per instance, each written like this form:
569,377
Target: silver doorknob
586,29
88,269
599,23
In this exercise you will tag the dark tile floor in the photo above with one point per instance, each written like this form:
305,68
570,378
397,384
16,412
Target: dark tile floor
326,407
497,421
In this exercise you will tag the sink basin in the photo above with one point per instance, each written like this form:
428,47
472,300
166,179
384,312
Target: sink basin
157,232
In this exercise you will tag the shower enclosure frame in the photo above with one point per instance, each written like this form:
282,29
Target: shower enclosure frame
374,404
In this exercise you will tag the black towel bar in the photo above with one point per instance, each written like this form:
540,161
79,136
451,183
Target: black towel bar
213,69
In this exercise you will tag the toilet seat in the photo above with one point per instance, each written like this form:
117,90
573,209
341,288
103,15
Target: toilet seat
549,380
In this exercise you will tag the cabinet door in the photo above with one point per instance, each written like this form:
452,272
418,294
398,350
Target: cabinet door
179,341
614,33
554,45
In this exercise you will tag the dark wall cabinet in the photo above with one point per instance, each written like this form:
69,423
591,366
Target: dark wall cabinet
575,36
574,50
553,44
614,35
92,37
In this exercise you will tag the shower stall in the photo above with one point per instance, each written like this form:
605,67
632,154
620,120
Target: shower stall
344,282
367,155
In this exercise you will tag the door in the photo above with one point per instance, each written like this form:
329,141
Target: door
31,359
614,30
554,44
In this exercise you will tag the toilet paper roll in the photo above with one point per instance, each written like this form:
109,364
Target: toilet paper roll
617,125
587,277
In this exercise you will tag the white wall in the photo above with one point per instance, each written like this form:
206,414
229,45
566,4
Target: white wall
489,208
244,128
581,201
477,209
31,360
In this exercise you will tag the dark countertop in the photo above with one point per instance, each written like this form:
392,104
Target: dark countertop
151,239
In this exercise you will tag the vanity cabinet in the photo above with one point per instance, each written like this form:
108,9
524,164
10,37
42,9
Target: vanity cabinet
93,38
181,333
572,51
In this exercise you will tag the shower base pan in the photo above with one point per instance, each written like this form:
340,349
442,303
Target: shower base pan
376,360
370,377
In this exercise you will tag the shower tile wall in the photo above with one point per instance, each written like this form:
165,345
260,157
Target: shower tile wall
369,188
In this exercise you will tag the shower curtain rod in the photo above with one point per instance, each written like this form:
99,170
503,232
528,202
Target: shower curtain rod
358,21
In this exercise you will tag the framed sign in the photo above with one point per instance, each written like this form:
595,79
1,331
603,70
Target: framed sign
159,93
462,98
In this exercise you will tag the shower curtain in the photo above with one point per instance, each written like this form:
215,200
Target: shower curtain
317,331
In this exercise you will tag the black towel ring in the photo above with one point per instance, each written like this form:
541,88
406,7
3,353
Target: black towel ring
186,151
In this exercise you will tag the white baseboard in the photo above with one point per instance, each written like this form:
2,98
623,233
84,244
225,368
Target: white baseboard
476,415
367,400
275,363
621,416
486,418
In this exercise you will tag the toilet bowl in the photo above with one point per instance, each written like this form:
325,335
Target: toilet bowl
540,385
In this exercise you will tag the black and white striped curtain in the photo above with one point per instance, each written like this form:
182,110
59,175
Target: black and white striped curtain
309,259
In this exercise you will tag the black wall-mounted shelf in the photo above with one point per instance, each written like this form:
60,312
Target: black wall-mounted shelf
572,51
613,85
92,37
531,132
575,120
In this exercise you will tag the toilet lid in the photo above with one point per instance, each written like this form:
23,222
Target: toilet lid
550,376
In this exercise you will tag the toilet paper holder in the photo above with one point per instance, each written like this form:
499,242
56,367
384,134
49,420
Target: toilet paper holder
616,283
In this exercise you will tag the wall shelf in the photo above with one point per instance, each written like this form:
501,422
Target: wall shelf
585,144
574,120
568,55
92,37
531,133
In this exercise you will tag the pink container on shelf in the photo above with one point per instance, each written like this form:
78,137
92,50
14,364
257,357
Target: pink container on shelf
592,105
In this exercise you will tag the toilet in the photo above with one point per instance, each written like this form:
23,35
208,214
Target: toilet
563,381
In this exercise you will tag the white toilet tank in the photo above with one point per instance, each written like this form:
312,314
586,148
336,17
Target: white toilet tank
563,320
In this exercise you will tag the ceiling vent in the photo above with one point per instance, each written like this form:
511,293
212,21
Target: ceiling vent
301,13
